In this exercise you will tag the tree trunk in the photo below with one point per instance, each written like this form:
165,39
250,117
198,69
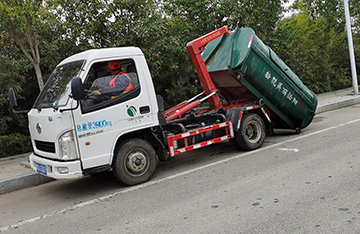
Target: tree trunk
34,57
39,76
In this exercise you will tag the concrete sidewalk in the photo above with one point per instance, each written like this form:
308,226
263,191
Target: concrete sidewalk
336,99
15,172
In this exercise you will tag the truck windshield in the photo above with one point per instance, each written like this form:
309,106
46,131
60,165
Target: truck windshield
57,88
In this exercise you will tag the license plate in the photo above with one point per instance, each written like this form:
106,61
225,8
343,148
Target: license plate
41,168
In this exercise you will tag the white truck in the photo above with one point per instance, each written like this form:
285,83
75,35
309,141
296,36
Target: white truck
75,134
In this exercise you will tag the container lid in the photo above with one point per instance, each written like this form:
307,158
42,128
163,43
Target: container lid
230,50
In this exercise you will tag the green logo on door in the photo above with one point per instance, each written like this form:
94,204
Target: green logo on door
131,111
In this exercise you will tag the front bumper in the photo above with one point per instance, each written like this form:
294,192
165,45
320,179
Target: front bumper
57,170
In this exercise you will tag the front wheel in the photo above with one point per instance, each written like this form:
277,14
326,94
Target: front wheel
135,161
251,134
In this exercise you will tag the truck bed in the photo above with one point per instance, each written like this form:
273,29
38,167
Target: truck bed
244,69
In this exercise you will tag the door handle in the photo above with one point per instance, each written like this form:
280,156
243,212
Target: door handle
144,109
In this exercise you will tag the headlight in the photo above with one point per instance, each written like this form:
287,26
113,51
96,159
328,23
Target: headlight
67,146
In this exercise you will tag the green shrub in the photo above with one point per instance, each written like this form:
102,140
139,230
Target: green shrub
14,144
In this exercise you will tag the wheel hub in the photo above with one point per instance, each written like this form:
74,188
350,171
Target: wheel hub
253,131
136,162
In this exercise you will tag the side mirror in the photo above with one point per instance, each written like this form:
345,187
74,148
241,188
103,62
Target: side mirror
77,89
13,102
12,98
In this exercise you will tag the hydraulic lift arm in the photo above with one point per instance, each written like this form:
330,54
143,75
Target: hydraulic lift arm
193,48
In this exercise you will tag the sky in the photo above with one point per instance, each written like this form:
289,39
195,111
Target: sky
288,14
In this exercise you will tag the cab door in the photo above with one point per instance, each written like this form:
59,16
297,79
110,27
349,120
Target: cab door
101,120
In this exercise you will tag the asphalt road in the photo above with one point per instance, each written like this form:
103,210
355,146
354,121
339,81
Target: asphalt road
305,183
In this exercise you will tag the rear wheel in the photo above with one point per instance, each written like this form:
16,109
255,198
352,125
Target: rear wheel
135,161
251,134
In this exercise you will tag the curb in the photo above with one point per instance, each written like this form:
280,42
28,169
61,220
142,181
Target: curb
22,182
14,157
338,105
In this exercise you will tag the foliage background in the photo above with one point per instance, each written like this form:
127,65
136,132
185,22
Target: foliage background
312,42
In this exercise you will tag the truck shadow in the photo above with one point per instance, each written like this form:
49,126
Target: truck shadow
105,182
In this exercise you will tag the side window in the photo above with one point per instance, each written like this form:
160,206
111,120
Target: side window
109,83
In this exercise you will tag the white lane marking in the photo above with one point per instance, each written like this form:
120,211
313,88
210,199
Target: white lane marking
153,182
286,149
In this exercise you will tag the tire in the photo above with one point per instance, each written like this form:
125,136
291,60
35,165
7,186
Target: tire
135,161
251,134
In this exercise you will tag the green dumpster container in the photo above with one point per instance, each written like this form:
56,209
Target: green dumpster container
244,69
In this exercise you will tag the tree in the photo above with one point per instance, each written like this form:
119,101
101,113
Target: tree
186,20
25,22
12,74
313,43
83,24
331,11
161,29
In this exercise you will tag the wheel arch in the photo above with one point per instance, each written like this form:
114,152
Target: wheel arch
265,117
135,161
145,134
234,115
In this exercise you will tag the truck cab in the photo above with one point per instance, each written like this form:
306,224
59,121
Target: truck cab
72,138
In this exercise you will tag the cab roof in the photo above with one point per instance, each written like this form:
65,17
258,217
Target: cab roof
103,53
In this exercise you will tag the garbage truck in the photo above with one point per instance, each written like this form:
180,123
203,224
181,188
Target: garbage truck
247,92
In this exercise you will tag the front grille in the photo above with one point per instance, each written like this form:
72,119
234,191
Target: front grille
45,146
